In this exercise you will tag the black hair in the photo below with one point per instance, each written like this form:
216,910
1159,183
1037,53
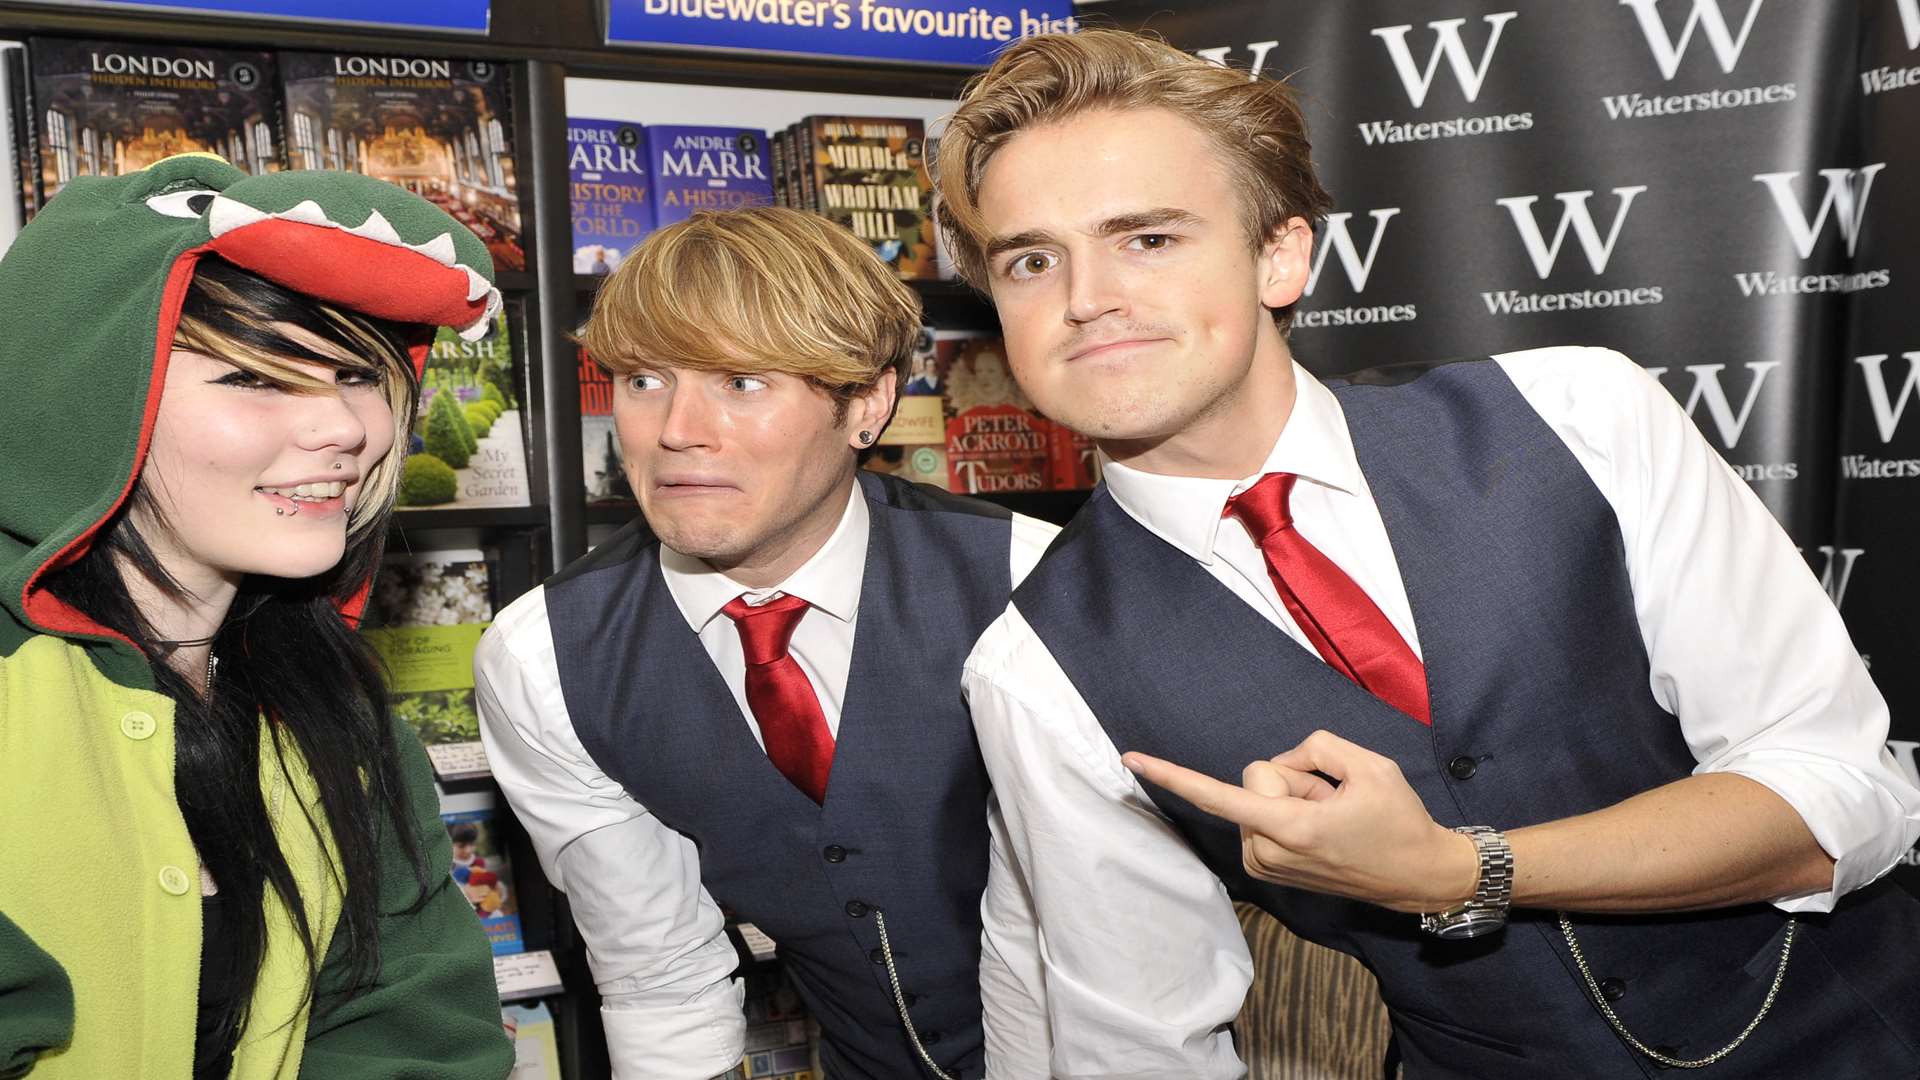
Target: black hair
287,658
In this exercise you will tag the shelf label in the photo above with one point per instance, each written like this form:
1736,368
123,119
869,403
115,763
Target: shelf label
468,16
526,975
966,32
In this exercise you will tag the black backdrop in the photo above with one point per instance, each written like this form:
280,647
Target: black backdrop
1721,189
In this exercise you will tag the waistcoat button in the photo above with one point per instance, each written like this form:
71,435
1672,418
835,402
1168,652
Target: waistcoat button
1612,989
834,853
1463,767
856,909
876,956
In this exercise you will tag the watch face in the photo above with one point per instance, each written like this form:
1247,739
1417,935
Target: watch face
1469,924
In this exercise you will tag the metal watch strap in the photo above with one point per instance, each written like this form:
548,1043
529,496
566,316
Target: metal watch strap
1486,910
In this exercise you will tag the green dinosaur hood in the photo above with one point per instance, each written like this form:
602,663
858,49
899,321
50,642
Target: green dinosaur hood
90,294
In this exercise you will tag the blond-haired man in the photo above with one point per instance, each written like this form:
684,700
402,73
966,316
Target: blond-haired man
1516,593
750,696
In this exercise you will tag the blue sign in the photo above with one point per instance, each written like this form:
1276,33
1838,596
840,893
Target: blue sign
965,32
460,15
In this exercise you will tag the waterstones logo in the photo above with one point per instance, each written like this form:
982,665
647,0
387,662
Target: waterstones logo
1258,49
1706,17
1837,571
1575,217
1882,79
1728,423
1338,240
1888,407
392,67
1845,201
1470,75
160,67
1847,192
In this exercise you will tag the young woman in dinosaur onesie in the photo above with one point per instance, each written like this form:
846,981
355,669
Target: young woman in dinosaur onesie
218,855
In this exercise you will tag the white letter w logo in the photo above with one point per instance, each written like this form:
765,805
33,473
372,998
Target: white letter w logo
1840,195
1887,407
1910,19
1707,388
1341,241
1419,82
1573,213
1705,15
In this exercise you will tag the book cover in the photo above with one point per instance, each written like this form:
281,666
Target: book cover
995,441
914,444
706,168
25,149
870,174
1073,461
536,1054
12,209
425,617
105,108
602,470
480,868
468,446
782,1039
611,201
440,128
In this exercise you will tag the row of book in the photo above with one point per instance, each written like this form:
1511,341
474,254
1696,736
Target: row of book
962,424
438,127
425,618
869,173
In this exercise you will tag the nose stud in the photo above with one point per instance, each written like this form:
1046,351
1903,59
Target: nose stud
336,466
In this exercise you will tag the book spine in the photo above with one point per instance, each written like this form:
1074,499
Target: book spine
777,156
26,141
809,167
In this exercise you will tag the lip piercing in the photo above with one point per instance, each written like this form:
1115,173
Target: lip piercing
281,511
336,466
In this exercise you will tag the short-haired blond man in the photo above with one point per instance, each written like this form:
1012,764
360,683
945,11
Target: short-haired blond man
1517,595
749,699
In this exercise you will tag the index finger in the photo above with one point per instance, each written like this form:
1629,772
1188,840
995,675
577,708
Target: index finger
1222,800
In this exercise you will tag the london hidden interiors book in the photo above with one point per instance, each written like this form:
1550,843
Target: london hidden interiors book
105,108
440,128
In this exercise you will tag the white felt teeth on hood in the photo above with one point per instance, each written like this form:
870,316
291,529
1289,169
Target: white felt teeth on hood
308,213
477,286
377,228
439,249
479,327
226,215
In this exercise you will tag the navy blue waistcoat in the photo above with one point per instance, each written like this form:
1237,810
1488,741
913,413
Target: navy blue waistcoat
903,829
1514,565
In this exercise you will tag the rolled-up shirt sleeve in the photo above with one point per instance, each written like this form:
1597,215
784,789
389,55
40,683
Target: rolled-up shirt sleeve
655,939
1747,649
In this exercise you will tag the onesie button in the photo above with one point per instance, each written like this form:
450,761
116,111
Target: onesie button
138,725
175,880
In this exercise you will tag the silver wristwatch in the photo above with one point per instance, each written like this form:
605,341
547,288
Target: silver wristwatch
1486,910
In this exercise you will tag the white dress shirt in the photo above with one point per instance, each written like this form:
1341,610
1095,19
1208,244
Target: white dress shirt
655,939
1142,959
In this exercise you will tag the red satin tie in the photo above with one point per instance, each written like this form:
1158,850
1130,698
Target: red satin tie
783,702
1346,627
